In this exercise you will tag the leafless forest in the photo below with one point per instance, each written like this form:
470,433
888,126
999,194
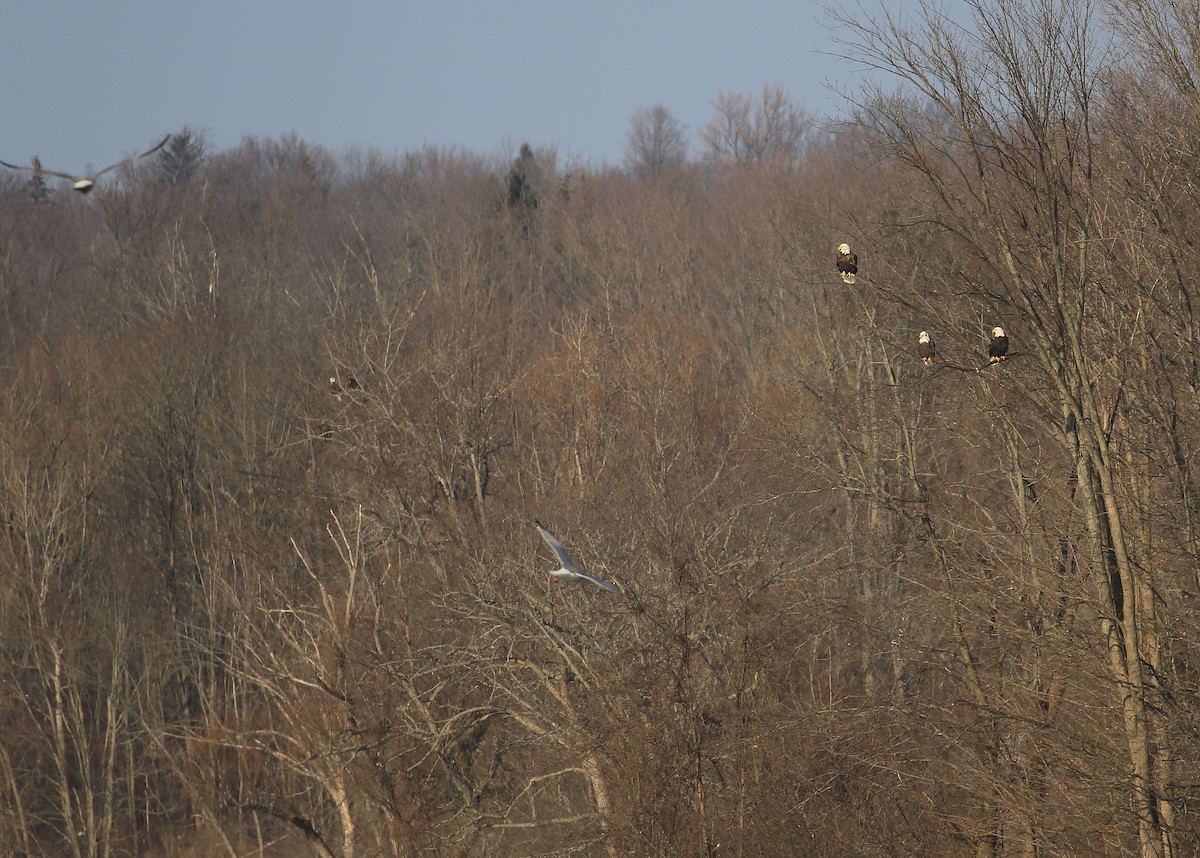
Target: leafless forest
873,607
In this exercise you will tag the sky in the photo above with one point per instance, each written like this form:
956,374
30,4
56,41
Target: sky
87,82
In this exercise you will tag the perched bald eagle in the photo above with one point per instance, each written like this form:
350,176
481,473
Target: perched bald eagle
998,347
84,184
336,388
847,263
925,347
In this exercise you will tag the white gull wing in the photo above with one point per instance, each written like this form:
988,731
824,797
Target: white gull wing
569,568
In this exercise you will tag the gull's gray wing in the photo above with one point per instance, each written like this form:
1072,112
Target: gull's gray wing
41,170
601,583
67,176
131,158
558,548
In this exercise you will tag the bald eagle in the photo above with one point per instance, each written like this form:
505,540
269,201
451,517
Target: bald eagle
84,184
847,263
998,347
336,388
925,348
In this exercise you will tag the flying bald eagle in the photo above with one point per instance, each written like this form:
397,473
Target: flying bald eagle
998,347
925,348
847,263
84,184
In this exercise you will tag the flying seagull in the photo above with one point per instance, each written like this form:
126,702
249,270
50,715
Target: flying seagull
847,263
998,347
925,347
569,570
84,184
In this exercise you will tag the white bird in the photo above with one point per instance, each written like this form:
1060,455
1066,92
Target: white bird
569,569
84,184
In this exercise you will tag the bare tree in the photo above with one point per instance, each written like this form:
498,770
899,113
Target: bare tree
1008,160
873,606
657,142
745,130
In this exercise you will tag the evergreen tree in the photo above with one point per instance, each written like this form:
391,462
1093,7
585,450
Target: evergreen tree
179,160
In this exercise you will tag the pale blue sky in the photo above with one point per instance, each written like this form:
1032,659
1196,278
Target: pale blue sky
88,82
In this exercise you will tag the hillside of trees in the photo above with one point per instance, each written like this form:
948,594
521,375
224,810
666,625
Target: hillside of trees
275,423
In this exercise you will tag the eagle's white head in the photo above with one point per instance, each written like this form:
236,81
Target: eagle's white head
843,248
923,337
997,331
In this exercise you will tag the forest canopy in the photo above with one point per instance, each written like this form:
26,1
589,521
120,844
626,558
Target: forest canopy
277,422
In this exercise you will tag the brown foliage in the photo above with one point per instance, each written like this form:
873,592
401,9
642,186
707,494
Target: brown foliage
873,607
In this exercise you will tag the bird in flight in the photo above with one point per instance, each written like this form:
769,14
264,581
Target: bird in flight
84,184
569,570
